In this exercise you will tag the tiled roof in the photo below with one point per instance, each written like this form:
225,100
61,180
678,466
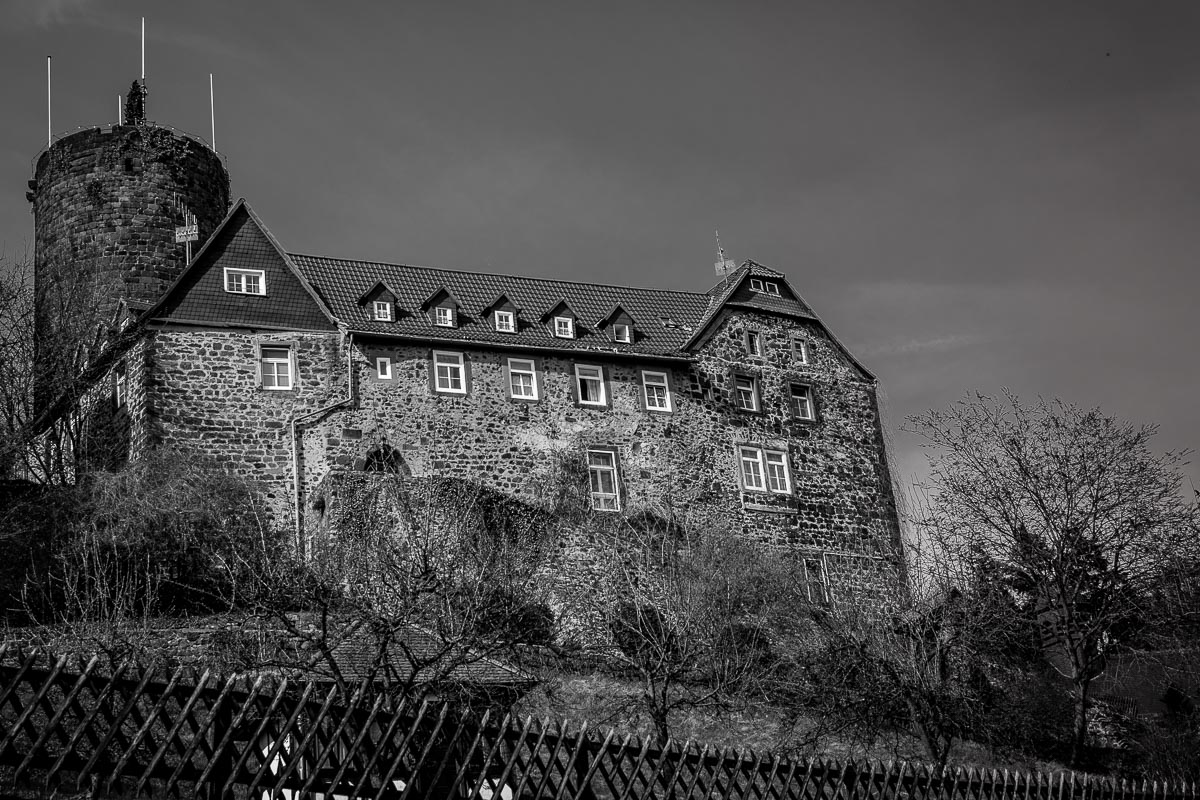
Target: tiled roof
341,283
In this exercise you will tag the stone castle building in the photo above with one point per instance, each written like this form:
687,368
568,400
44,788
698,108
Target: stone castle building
734,405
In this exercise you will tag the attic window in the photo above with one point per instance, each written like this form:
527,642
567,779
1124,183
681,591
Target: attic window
245,281
564,327
506,322
622,332
443,316
766,287
381,311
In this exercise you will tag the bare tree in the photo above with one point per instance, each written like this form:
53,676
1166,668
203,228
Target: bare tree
1069,511
694,614
414,584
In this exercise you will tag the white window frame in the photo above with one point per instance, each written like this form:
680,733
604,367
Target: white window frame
756,480
622,332
656,379
755,400
530,370
770,472
564,327
799,349
756,285
811,414
241,283
598,378
381,311
443,316
454,363
766,287
383,368
505,321
288,360
754,343
604,500
121,386
779,480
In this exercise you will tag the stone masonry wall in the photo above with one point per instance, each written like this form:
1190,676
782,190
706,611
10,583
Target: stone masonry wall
204,393
205,396
108,201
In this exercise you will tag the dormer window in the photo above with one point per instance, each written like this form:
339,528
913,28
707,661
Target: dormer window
443,316
564,327
245,281
622,333
766,287
506,322
381,311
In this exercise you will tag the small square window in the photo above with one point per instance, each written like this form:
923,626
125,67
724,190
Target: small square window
756,285
799,349
745,389
622,333
449,374
381,311
767,287
506,321
801,402
276,368
657,391
590,383
522,379
443,316
383,368
754,343
602,480
245,281
564,327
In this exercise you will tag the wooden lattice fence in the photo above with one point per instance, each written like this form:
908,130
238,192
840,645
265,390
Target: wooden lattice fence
68,723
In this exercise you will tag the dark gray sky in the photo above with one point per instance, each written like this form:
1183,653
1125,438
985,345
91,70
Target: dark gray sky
972,195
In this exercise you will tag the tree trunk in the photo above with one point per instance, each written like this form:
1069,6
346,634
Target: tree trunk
1079,738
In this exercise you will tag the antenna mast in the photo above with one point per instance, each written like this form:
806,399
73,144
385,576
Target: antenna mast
212,115
724,266
49,127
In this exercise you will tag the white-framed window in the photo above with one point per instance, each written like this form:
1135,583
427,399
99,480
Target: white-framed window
449,377
522,379
589,381
443,316
121,386
383,368
564,327
764,470
245,281
381,311
602,480
799,349
657,391
275,367
745,391
622,333
816,580
754,343
768,287
506,321
778,479
801,402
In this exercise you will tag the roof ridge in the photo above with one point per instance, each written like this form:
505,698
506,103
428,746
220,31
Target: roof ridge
500,275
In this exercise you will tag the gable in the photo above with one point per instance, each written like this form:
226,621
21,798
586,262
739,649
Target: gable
786,302
200,296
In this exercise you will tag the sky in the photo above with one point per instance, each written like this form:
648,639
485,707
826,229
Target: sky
974,196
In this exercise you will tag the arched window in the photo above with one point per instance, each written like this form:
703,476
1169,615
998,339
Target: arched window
386,458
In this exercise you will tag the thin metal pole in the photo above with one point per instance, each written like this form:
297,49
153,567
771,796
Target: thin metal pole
120,112
143,49
212,113
49,128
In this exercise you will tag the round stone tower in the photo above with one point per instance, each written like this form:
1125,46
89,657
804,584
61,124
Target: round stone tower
106,202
